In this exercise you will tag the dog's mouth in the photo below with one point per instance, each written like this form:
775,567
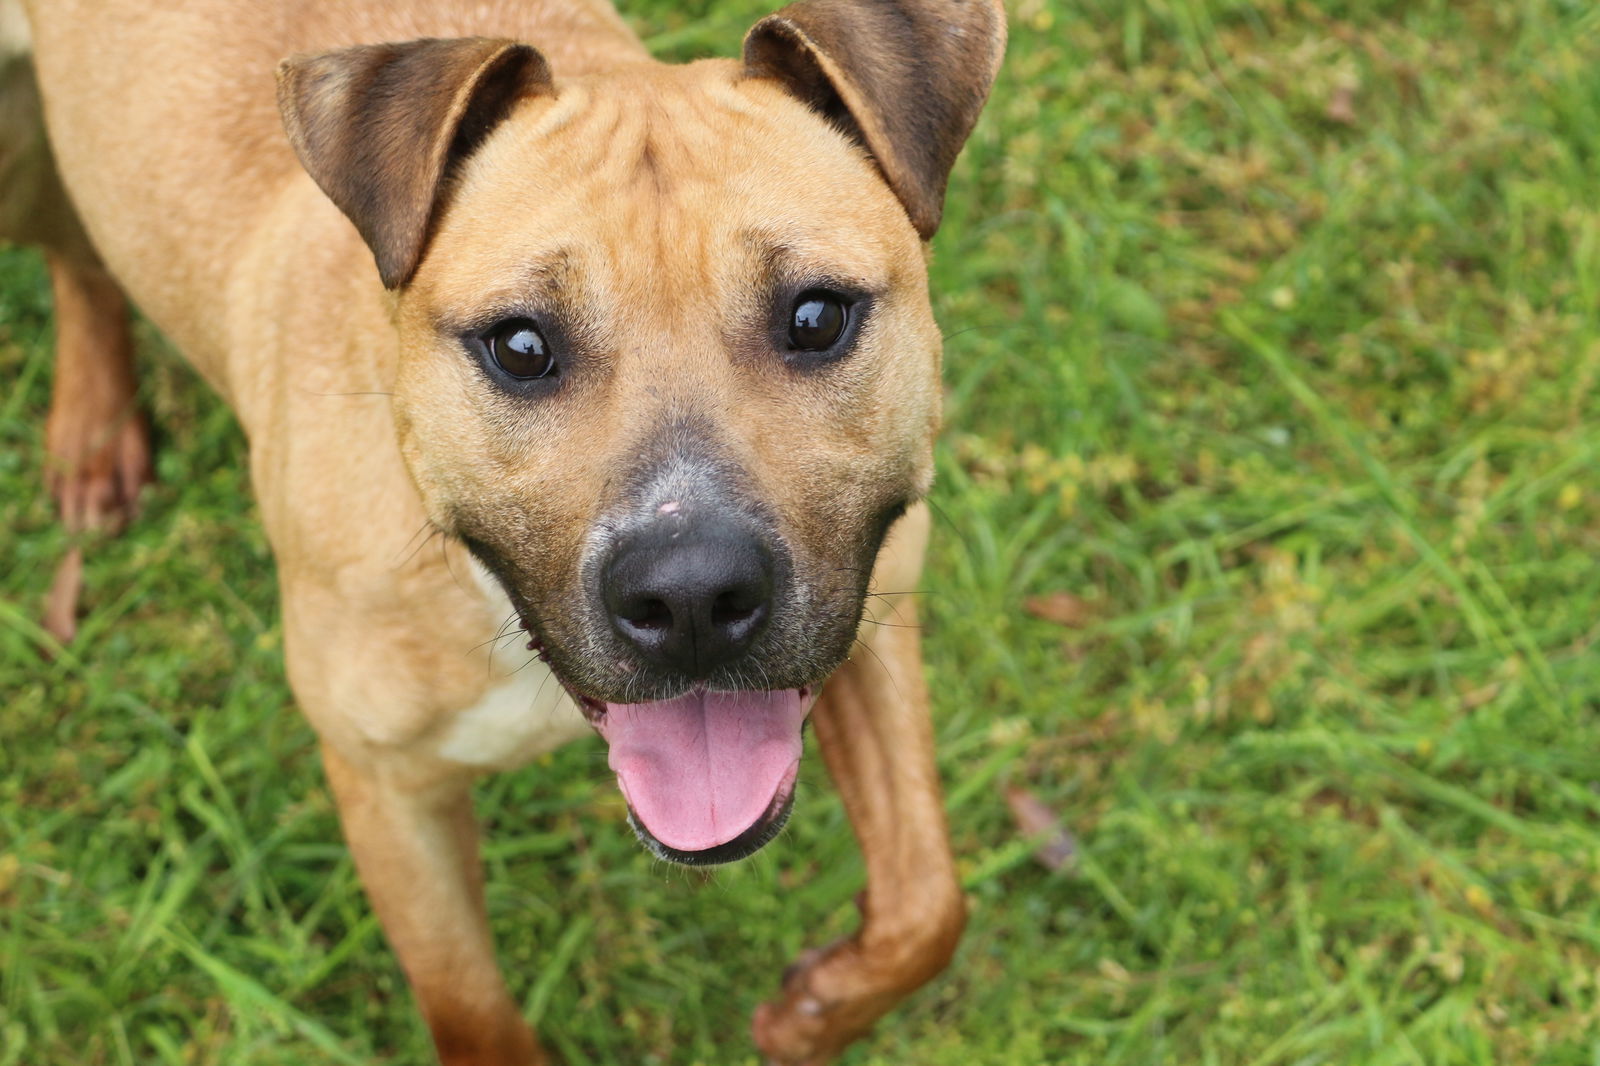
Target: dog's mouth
708,776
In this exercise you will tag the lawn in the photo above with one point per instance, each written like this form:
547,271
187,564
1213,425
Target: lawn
1265,561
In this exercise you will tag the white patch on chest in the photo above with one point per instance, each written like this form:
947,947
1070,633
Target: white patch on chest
520,718
526,715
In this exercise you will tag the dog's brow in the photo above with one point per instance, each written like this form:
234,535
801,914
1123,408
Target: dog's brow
546,280
781,260
549,272
771,251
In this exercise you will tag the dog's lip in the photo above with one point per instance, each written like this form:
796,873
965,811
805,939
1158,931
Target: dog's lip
594,708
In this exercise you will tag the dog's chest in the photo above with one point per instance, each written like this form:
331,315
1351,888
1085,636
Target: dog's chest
520,717
524,716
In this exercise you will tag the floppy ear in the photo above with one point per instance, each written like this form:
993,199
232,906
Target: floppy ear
379,127
906,78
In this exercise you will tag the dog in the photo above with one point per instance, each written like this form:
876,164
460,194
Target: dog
649,345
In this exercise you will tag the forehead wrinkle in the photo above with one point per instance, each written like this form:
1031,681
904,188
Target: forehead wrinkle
550,271
683,136
791,257
629,142
544,277
661,164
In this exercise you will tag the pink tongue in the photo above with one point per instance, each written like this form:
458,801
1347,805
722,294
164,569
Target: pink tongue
701,769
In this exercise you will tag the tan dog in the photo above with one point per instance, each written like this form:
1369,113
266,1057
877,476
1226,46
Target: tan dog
663,371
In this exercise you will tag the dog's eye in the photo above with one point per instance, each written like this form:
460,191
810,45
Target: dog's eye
520,350
818,320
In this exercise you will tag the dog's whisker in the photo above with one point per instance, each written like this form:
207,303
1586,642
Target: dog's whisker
444,554
500,635
939,512
418,539
435,532
983,327
885,667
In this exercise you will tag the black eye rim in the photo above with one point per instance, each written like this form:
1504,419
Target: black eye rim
479,340
855,302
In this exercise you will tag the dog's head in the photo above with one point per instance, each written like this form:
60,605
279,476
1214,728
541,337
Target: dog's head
667,364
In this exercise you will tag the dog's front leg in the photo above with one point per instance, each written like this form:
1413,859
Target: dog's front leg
416,850
872,724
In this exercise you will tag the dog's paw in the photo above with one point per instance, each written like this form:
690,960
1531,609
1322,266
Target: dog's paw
830,997
97,467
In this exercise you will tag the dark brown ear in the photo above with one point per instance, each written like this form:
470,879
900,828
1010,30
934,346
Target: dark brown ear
378,127
907,78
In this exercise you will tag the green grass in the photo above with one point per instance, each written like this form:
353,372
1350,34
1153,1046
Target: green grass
1300,401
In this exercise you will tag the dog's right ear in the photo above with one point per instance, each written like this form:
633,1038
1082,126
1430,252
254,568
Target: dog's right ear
379,128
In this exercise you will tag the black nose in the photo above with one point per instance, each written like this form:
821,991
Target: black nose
689,595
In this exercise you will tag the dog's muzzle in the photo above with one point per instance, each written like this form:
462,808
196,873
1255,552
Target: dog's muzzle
708,775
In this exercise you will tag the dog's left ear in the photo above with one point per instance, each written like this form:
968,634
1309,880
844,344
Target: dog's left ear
378,127
906,78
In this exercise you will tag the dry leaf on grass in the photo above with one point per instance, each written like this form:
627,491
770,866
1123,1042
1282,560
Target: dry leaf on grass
1342,105
1062,608
1055,848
